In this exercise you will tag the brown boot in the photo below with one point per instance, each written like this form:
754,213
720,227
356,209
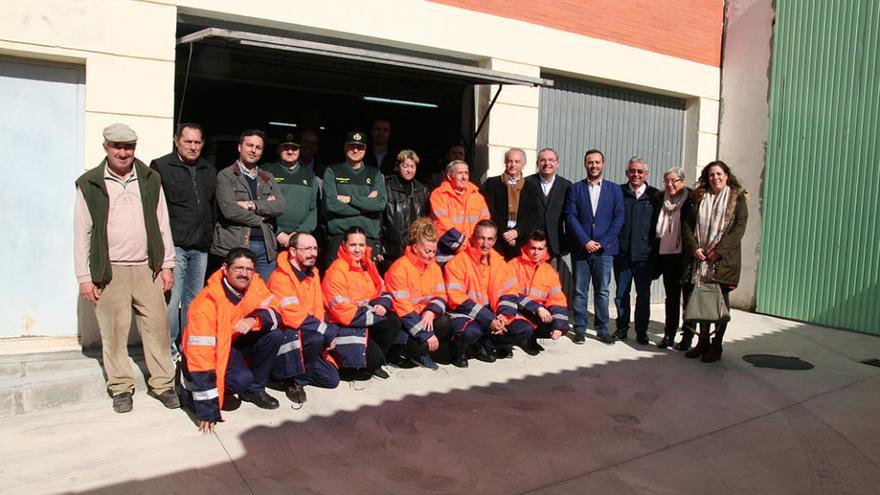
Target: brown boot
702,345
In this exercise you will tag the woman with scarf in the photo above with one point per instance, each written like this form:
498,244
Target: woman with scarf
713,223
356,301
674,196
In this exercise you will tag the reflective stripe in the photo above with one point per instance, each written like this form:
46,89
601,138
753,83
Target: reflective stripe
339,299
476,296
267,300
526,300
370,317
351,339
508,284
440,303
418,327
274,319
455,286
507,303
400,294
560,316
322,328
288,347
201,340
459,315
484,211
475,310
440,287
443,258
287,301
205,394
439,212
537,293
473,219
457,219
554,290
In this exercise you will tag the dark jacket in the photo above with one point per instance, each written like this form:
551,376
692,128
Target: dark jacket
582,226
362,211
545,212
494,190
729,248
638,238
389,161
189,193
406,202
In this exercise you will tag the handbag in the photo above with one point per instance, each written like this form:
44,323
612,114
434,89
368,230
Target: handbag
706,304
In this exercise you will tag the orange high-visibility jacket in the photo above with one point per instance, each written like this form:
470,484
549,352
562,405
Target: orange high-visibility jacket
299,296
352,288
455,215
539,286
480,291
416,286
209,334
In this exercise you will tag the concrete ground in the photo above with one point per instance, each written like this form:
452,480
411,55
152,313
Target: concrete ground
577,419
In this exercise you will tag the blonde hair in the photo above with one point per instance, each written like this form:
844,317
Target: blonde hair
422,229
404,154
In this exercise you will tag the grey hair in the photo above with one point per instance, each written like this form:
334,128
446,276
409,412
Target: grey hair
678,171
452,165
637,159
515,150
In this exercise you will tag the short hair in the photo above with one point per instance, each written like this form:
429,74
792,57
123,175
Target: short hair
636,159
239,252
596,152
188,125
451,165
544,150
677,171
422,229
252,132
352,231
515,150
407,154
538,236
485,224
294,238
380,119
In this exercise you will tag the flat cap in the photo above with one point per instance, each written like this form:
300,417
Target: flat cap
119,133
356,138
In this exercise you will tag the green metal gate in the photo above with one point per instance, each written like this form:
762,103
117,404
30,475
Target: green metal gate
820,256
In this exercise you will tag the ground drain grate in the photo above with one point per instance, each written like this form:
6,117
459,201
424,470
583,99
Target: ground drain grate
777,362
871,362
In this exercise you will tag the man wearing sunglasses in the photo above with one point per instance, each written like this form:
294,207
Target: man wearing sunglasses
637,247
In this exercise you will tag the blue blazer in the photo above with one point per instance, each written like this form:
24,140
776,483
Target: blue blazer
583,227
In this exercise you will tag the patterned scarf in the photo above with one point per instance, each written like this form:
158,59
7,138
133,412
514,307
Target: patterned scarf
711,221
669,221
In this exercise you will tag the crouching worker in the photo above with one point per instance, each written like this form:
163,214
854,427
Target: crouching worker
482,297
542,301
415,282
297,285
356,301
232,344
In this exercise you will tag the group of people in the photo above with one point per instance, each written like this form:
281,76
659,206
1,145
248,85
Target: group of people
411,274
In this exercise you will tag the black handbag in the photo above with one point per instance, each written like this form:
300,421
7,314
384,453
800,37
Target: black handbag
707,304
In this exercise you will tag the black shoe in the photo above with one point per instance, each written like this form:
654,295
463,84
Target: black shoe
504,351
296,393
605,338
483,354
168,398
380,373
666,342
460,361
230,402
684,345
532,347
122,403
579,338
259,398
618,335
642,339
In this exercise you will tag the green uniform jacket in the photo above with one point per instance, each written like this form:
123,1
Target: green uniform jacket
300,189
363,211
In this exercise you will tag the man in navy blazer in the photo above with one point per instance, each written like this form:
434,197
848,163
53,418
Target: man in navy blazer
593,220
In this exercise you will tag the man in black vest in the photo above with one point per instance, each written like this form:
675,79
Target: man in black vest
189,182
123,258
637,244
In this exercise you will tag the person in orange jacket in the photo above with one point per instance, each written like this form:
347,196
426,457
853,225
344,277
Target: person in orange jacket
418,294
542,301
297,285
232,344
355,300
481,292
456,207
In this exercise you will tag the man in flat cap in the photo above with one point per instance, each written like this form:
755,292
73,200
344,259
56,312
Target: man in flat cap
123,257
354,196
299,188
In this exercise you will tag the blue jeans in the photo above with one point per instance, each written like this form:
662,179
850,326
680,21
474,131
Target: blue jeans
189,278
265,266
625,272
596,269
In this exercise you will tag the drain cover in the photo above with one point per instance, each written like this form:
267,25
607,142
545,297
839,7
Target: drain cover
777,362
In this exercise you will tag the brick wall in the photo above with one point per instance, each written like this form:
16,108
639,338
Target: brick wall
688,29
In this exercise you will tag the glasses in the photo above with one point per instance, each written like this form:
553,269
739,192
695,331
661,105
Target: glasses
308,249
671,181
636,171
